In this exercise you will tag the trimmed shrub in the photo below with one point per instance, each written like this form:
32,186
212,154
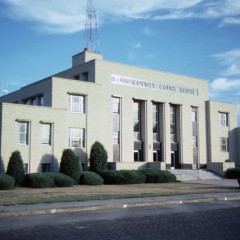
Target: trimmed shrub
47,180
15,168
158,176
6,182
233,173
90,178
123,177
61,180
70,165
38,180
98,158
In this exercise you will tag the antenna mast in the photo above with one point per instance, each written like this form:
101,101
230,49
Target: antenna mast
91,29
4,88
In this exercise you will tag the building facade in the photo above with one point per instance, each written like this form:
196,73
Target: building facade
143,117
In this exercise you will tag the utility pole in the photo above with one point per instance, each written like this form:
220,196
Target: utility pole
91,28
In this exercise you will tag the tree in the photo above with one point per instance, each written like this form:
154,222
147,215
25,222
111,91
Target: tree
15,168
98,158
70,165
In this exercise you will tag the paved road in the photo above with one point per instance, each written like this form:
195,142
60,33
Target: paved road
220,220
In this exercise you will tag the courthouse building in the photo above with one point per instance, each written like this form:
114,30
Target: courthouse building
143,117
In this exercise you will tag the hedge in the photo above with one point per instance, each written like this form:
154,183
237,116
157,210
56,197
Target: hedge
233,173
62,180
158,176
38,180
90,178
123,177
6,182
47,180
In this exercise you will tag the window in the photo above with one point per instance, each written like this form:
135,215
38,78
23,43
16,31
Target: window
194,115
77,103
25,165
23,133
194,141
223,118
77,137
155,113
36,100
224,144
76,77
137,121
46,167
84,76
46,133
173,124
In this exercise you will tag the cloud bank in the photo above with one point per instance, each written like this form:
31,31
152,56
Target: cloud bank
64,17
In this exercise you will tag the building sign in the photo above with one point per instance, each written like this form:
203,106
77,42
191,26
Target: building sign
115,79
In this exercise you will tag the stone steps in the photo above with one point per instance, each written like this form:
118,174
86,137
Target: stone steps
190,175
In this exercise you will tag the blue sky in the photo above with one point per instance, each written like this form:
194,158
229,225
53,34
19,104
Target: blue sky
199,38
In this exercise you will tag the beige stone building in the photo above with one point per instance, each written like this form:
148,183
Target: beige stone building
143,117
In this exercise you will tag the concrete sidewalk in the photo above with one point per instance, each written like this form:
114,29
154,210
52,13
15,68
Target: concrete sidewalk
51,208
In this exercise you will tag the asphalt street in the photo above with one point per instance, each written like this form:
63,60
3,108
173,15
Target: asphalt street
217,220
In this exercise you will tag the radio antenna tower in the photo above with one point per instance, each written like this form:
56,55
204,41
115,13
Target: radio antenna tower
91,29
4,88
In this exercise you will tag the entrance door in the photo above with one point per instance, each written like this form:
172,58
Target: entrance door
173,160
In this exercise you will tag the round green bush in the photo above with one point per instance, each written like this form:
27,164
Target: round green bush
98,158
158,176
62,180
90,178
6,182
38,180
15,168
70,165
123,177
233,173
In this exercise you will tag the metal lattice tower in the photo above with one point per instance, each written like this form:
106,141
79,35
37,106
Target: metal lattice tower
91,29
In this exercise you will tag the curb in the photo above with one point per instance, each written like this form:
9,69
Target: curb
117,206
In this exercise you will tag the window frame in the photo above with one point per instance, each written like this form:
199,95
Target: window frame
43,135
25,132
77,139
223,119
77,107
224,145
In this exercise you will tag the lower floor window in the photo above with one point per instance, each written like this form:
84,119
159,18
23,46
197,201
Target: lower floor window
77,137
224,144
46,167
25,168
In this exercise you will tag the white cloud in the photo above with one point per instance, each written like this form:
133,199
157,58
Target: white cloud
225,84
138,45
63,16
148,32
231,60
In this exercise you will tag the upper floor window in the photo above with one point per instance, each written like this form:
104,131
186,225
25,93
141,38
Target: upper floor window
223,119
23,133
77,137
46,133
194,114
77,103
36,100
84,76
137,120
